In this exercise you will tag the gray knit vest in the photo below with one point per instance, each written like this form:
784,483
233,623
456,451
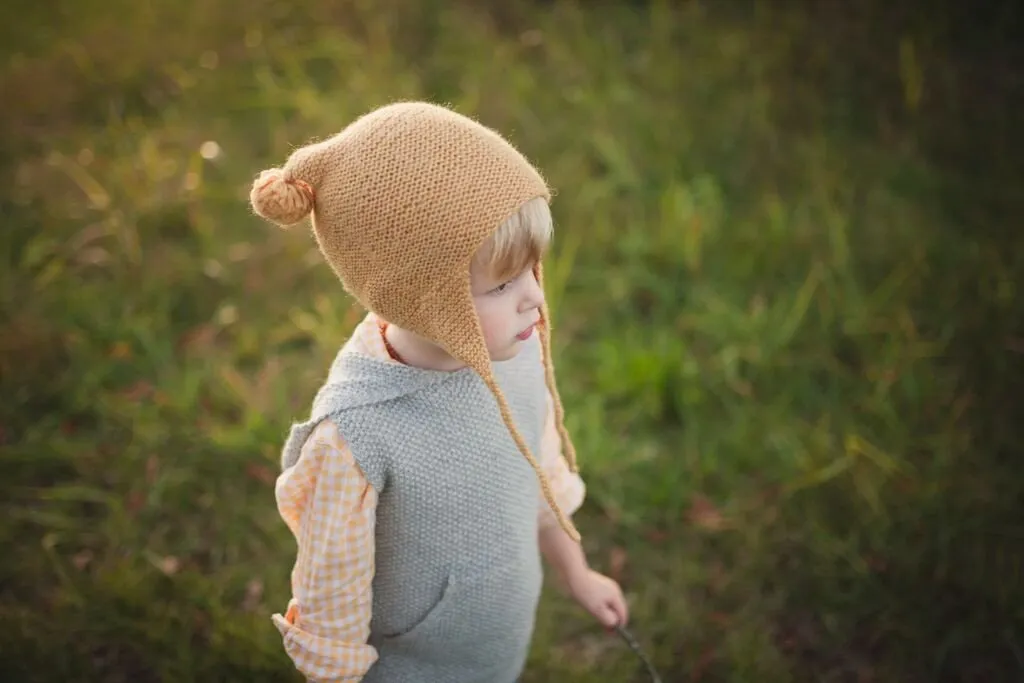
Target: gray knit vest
458,572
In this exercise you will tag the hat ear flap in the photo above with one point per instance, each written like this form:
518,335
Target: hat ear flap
568,450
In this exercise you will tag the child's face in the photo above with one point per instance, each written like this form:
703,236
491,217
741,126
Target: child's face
508,310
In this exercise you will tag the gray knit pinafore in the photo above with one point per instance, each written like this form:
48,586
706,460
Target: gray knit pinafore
458,570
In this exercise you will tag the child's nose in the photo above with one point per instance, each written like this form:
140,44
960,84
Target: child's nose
533,297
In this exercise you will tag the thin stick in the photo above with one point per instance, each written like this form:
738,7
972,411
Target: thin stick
635,647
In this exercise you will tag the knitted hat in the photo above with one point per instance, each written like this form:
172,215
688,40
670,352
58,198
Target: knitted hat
401,200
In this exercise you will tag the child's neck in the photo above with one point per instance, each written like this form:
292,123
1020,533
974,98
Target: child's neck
418,352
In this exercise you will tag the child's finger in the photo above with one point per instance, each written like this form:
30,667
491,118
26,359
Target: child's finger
607,616
618,605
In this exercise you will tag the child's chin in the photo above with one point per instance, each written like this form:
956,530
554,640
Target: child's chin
505,354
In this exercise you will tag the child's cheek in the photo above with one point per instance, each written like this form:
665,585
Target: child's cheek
492,329
490,335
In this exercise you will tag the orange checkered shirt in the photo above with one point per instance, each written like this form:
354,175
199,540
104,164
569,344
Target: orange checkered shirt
329,507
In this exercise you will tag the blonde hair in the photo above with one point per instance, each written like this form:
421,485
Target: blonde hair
518,243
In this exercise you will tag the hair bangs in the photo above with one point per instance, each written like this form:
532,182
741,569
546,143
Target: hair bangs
519,242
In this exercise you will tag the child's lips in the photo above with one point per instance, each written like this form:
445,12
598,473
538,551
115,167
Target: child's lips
525,334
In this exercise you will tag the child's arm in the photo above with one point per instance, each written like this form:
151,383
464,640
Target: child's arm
330,507
598,594
563,554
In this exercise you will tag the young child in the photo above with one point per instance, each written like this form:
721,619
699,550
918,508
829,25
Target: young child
434,470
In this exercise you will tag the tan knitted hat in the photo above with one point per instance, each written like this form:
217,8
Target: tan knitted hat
401,200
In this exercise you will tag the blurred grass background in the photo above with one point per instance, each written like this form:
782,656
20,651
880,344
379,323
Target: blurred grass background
785,282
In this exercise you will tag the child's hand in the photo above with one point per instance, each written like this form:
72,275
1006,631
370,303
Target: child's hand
601,596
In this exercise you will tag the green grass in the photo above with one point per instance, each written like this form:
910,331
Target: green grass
784,358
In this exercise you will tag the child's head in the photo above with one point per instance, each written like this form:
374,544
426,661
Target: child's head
413,207
508,298
436,224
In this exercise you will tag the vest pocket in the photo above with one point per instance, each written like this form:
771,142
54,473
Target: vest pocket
482,620
435,615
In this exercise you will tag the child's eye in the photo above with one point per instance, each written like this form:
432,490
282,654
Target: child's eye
501,288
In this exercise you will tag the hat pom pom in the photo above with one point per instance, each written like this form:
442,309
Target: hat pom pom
281,199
